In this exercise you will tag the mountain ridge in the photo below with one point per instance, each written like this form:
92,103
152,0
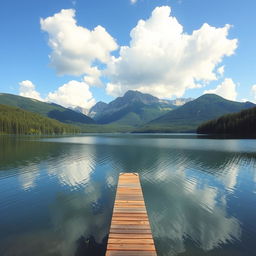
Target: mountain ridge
51,110
15,120
187,117
133,108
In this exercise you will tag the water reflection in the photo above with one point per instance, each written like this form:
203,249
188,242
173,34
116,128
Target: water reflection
190,210
64,189
78,219
73,173
230,178
28,176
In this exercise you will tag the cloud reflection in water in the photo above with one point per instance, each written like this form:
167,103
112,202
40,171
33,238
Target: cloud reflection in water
190,209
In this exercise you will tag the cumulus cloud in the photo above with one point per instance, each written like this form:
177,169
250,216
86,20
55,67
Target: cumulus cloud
221,70
93,77
227,89
73,94
164,60
27,89
75,48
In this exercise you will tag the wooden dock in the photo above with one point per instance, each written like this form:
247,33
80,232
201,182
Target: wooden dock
130,232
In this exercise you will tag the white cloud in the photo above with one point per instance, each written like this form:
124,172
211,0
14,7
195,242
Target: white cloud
227,89
164,60
133,1
93,77
73,94
221,70
75,48
27,89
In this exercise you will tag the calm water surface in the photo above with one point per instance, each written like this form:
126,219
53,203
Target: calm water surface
57,194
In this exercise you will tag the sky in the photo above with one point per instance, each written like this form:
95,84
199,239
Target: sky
79,52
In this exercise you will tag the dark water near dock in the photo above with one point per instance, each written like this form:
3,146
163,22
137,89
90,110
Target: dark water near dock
57,194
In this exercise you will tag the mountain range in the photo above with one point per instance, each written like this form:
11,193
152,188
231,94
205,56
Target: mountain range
15,120
136,111
187,117
134,108
50,110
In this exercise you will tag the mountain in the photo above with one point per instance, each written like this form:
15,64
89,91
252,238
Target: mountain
50,110
242,123
15,120
81,110
134,108
187,117
97,109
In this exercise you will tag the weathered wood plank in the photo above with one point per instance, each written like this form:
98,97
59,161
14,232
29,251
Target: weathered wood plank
130,253
130,232
130,241
131,247
128,236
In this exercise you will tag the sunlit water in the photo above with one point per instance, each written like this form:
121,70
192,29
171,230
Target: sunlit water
57,194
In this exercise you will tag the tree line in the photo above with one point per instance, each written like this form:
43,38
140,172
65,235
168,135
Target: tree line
17,121
243,123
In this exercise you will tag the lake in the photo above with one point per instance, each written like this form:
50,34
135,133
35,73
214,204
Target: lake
57,193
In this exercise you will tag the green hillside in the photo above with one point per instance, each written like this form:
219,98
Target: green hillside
50,110
187,117
14,120
243,123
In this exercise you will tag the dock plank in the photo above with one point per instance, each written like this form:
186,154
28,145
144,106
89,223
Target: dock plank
130,232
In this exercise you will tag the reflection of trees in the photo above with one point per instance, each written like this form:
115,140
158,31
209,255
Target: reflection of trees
180,206
19,151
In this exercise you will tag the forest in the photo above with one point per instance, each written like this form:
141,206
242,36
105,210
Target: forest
243,123
17,121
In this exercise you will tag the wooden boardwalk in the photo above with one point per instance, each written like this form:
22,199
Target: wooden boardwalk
130,233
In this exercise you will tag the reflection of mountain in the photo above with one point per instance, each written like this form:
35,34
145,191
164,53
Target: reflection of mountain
68,185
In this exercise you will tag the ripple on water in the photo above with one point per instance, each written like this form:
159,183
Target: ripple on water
199,193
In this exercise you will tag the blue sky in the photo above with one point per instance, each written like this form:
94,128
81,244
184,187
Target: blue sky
177,67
